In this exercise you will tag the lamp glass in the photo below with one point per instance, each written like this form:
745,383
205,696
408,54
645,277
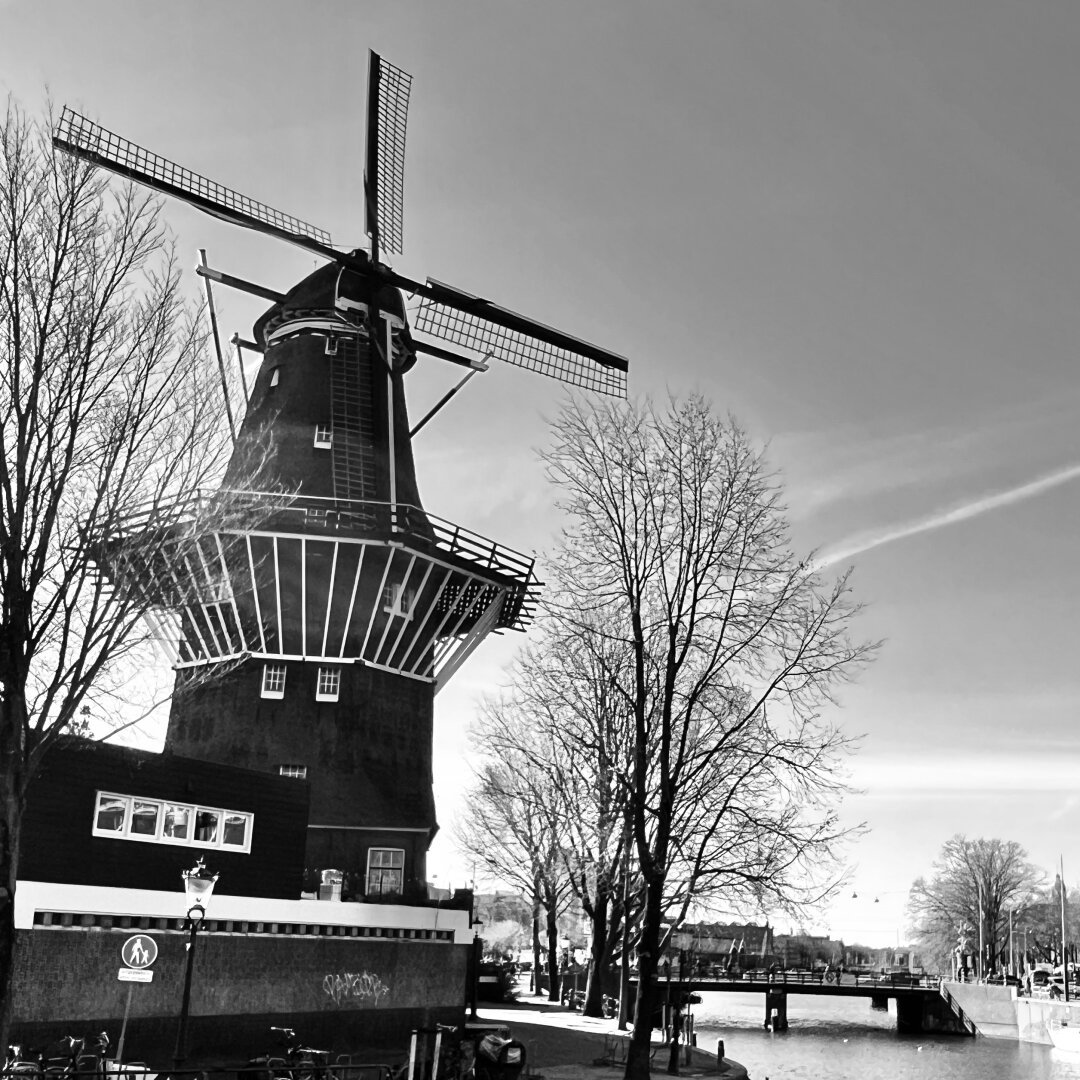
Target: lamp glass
197,888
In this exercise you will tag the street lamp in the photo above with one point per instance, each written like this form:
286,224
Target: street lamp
564,981
198,888
476,958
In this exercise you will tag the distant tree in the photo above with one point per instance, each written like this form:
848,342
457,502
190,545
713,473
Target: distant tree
107,410
676,548
513,831
504,936
579,737
974,885
1037,926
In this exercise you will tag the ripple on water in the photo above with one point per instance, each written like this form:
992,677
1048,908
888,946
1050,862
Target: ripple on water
844,1039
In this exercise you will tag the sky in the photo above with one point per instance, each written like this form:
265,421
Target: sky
855,226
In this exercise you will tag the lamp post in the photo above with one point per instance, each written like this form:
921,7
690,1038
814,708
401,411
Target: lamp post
198,888
564,981
475,960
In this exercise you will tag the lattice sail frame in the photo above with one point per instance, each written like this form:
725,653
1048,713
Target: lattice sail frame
82,137
388,91
485,337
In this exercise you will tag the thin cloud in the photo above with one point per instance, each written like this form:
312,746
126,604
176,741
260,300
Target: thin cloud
914,777
866,542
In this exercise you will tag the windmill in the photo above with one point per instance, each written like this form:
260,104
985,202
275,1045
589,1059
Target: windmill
337,616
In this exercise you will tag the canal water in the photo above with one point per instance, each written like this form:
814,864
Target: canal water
844,1039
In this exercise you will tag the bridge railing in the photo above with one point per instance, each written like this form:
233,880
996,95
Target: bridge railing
817,978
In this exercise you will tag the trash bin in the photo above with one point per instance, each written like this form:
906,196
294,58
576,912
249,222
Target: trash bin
500,1059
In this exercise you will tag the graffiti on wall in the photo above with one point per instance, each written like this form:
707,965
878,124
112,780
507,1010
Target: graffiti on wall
358,986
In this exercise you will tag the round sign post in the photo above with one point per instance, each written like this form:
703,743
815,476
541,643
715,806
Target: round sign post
137,953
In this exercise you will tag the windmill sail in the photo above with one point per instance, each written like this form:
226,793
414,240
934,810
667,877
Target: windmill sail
77,135
384,172
474,323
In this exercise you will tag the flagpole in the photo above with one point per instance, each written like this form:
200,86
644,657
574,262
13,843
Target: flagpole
1064,953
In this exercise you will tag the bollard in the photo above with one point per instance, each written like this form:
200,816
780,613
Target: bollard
720,1052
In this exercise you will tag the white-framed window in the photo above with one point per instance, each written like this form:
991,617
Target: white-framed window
329,684
177,824
273,681
385,872
324,437
111,816
145,817
275,376
297,772
207,826
235,830
133,817
398,601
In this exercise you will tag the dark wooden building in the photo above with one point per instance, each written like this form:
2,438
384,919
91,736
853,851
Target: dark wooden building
113,816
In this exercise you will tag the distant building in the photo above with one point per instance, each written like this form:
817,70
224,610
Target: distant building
730,946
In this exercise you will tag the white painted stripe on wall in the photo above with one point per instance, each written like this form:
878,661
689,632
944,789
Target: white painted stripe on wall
33,896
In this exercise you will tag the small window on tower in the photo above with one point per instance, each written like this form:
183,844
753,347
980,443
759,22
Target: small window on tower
324,437
329,684
275,376
295,772
273,681
398,600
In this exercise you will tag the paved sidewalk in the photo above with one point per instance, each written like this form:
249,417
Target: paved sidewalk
561,1044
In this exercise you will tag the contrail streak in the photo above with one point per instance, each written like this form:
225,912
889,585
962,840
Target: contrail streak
857,545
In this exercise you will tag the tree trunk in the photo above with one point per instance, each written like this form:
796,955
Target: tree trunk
12,801
598,952
553,954
648,990
536,951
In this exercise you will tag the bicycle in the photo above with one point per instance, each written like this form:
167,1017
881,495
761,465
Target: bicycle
22,1065
66,1057
299,1062
450,1055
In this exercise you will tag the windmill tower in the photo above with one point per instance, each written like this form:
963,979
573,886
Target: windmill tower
329,606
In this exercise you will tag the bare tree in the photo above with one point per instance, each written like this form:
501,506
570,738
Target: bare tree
514,831
1037,925
579,728
676,547
966,902
108,411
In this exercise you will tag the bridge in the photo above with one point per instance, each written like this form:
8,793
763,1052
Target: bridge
923,1003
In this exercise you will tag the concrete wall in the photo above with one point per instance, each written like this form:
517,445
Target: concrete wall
1033,1016
346,993
347,976
991,1008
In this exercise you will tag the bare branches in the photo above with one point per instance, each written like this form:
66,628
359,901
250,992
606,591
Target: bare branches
678,552
107,403
674,691
975,883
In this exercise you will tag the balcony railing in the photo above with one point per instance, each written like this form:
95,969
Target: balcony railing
258,511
